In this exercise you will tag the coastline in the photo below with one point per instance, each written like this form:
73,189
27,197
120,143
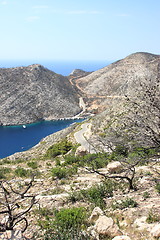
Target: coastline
22,138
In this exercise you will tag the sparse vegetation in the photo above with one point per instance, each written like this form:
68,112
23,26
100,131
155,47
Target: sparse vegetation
33,165
4,171
63,172
95,194
146,195
22,172
152,217
15,203
157,187
59,148
66,224
126,203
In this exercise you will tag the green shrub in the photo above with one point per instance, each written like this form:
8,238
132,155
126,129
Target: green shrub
44,212
32,164
127,203
75,196
21,172
63,172
71,234
146,195
59,172
4,171
95,194
67,224
5,161
70,218
54,191
152,217
157,187
71,159
59,148
121,150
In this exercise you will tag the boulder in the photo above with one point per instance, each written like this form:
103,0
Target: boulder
81,151
155,232
105,226
95,214
114,167
123,237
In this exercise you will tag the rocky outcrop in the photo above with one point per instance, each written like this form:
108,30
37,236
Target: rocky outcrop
105,226
33,93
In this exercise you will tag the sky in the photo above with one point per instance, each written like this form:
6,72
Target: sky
81,30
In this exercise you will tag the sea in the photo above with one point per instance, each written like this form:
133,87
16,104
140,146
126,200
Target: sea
23,137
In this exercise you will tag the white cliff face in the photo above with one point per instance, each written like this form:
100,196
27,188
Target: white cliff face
29,94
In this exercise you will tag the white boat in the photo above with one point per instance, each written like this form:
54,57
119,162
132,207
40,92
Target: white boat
24,126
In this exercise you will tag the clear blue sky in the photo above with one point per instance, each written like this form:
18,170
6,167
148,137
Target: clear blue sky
78,29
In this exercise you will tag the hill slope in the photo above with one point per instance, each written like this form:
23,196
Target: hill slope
33,93
119,79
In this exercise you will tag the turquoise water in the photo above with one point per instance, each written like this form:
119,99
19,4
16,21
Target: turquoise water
21,138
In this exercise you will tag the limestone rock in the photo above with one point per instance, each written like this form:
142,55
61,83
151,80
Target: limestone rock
155,232
95,214
81,151
141,223
105,226
123,237
114,167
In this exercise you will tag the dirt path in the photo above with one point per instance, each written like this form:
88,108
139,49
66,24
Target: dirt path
79,136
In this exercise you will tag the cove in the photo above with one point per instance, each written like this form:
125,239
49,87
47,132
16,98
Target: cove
21,138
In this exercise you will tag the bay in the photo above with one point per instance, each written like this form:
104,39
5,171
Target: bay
16,138
21,138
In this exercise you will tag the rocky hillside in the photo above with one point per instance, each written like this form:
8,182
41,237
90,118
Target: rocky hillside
33,93
119,79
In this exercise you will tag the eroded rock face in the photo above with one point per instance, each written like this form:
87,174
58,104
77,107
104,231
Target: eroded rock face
29,94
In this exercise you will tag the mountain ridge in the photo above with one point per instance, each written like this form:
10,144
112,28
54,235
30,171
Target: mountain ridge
33,93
